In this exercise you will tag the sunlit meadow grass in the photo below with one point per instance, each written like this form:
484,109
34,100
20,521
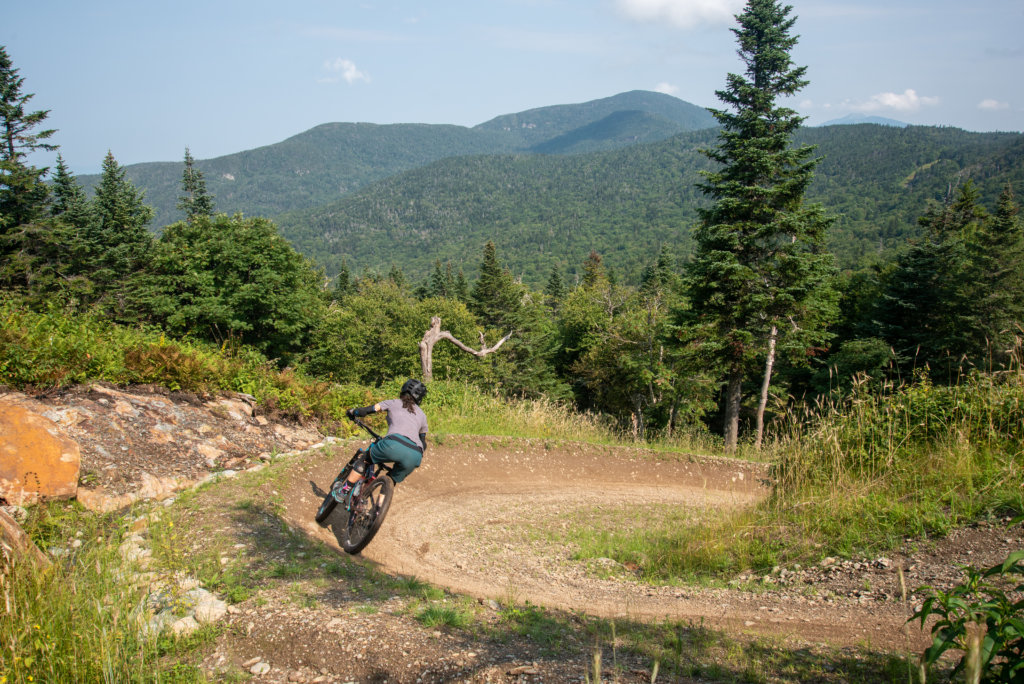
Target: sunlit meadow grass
78,620
857,475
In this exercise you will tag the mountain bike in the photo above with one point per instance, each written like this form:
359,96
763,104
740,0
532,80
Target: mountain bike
365,504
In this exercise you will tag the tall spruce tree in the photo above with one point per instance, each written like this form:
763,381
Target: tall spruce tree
195,201
70,202
555,288
23,194
957,295
760,277
496,296
995,295
118,237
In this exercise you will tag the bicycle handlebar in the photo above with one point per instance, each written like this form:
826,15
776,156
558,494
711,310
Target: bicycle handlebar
365,427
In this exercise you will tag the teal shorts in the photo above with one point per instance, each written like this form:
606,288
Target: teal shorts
398,450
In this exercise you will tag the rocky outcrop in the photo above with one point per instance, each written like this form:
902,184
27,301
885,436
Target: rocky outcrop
130,444
37,460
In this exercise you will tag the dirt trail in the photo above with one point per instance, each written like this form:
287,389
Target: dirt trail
475,519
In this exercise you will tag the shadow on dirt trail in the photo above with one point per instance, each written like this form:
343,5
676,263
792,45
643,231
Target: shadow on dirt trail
483,516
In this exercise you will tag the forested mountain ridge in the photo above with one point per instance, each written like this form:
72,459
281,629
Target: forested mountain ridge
326,162
544,211
535,127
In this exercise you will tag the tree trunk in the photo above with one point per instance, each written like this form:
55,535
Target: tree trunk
733,395
765,384
434,334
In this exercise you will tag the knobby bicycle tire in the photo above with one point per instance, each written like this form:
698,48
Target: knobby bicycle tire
329,502
367,514
326,507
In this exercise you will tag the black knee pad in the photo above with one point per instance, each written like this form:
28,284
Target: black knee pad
362,460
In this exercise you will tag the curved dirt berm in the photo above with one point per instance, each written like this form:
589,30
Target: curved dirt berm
483,517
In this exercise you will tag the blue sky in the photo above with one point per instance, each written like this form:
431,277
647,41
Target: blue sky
145,80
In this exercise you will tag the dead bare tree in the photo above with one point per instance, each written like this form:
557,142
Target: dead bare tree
435,334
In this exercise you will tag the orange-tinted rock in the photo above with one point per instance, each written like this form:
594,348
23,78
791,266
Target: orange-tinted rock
36,459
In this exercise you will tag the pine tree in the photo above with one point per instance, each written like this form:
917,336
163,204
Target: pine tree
442,282
495,297
555,289
759,276
23,194
397,276
70,202
195,201
51,252
995,293
957,295
593,271
461,292
118,238
343,282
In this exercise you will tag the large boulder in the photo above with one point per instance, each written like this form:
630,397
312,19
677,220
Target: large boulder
37,461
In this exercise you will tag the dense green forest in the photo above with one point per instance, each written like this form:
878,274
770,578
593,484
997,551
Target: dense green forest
544,211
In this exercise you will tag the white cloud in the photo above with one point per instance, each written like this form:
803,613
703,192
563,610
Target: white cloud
345,69
666,88
993,105
682,13
907,101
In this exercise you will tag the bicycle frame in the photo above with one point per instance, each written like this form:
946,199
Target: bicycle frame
371,489
373,470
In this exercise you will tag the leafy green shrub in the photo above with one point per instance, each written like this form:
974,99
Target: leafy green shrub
980,618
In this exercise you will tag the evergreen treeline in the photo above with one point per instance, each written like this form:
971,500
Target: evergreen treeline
643,346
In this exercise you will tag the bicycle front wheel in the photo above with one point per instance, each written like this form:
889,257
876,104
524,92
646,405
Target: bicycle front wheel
367,514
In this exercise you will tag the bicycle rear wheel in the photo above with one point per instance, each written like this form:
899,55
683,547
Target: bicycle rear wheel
367,514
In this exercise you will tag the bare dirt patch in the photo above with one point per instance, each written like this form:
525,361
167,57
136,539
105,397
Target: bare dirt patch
468,519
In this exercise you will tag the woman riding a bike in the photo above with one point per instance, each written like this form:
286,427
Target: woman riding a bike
406,439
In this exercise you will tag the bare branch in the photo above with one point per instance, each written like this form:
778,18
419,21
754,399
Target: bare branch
434,334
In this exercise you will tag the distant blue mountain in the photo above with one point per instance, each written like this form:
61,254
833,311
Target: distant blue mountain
863,119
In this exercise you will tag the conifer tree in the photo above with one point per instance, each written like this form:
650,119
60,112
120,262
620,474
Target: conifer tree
759,276
343,285
118,238
397,276
495,296
461,287
594,272
995,294
957,295
442,282
70,202
23,194
195,201
555,289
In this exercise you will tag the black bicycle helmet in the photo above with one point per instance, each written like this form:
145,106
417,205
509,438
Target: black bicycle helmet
415,389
